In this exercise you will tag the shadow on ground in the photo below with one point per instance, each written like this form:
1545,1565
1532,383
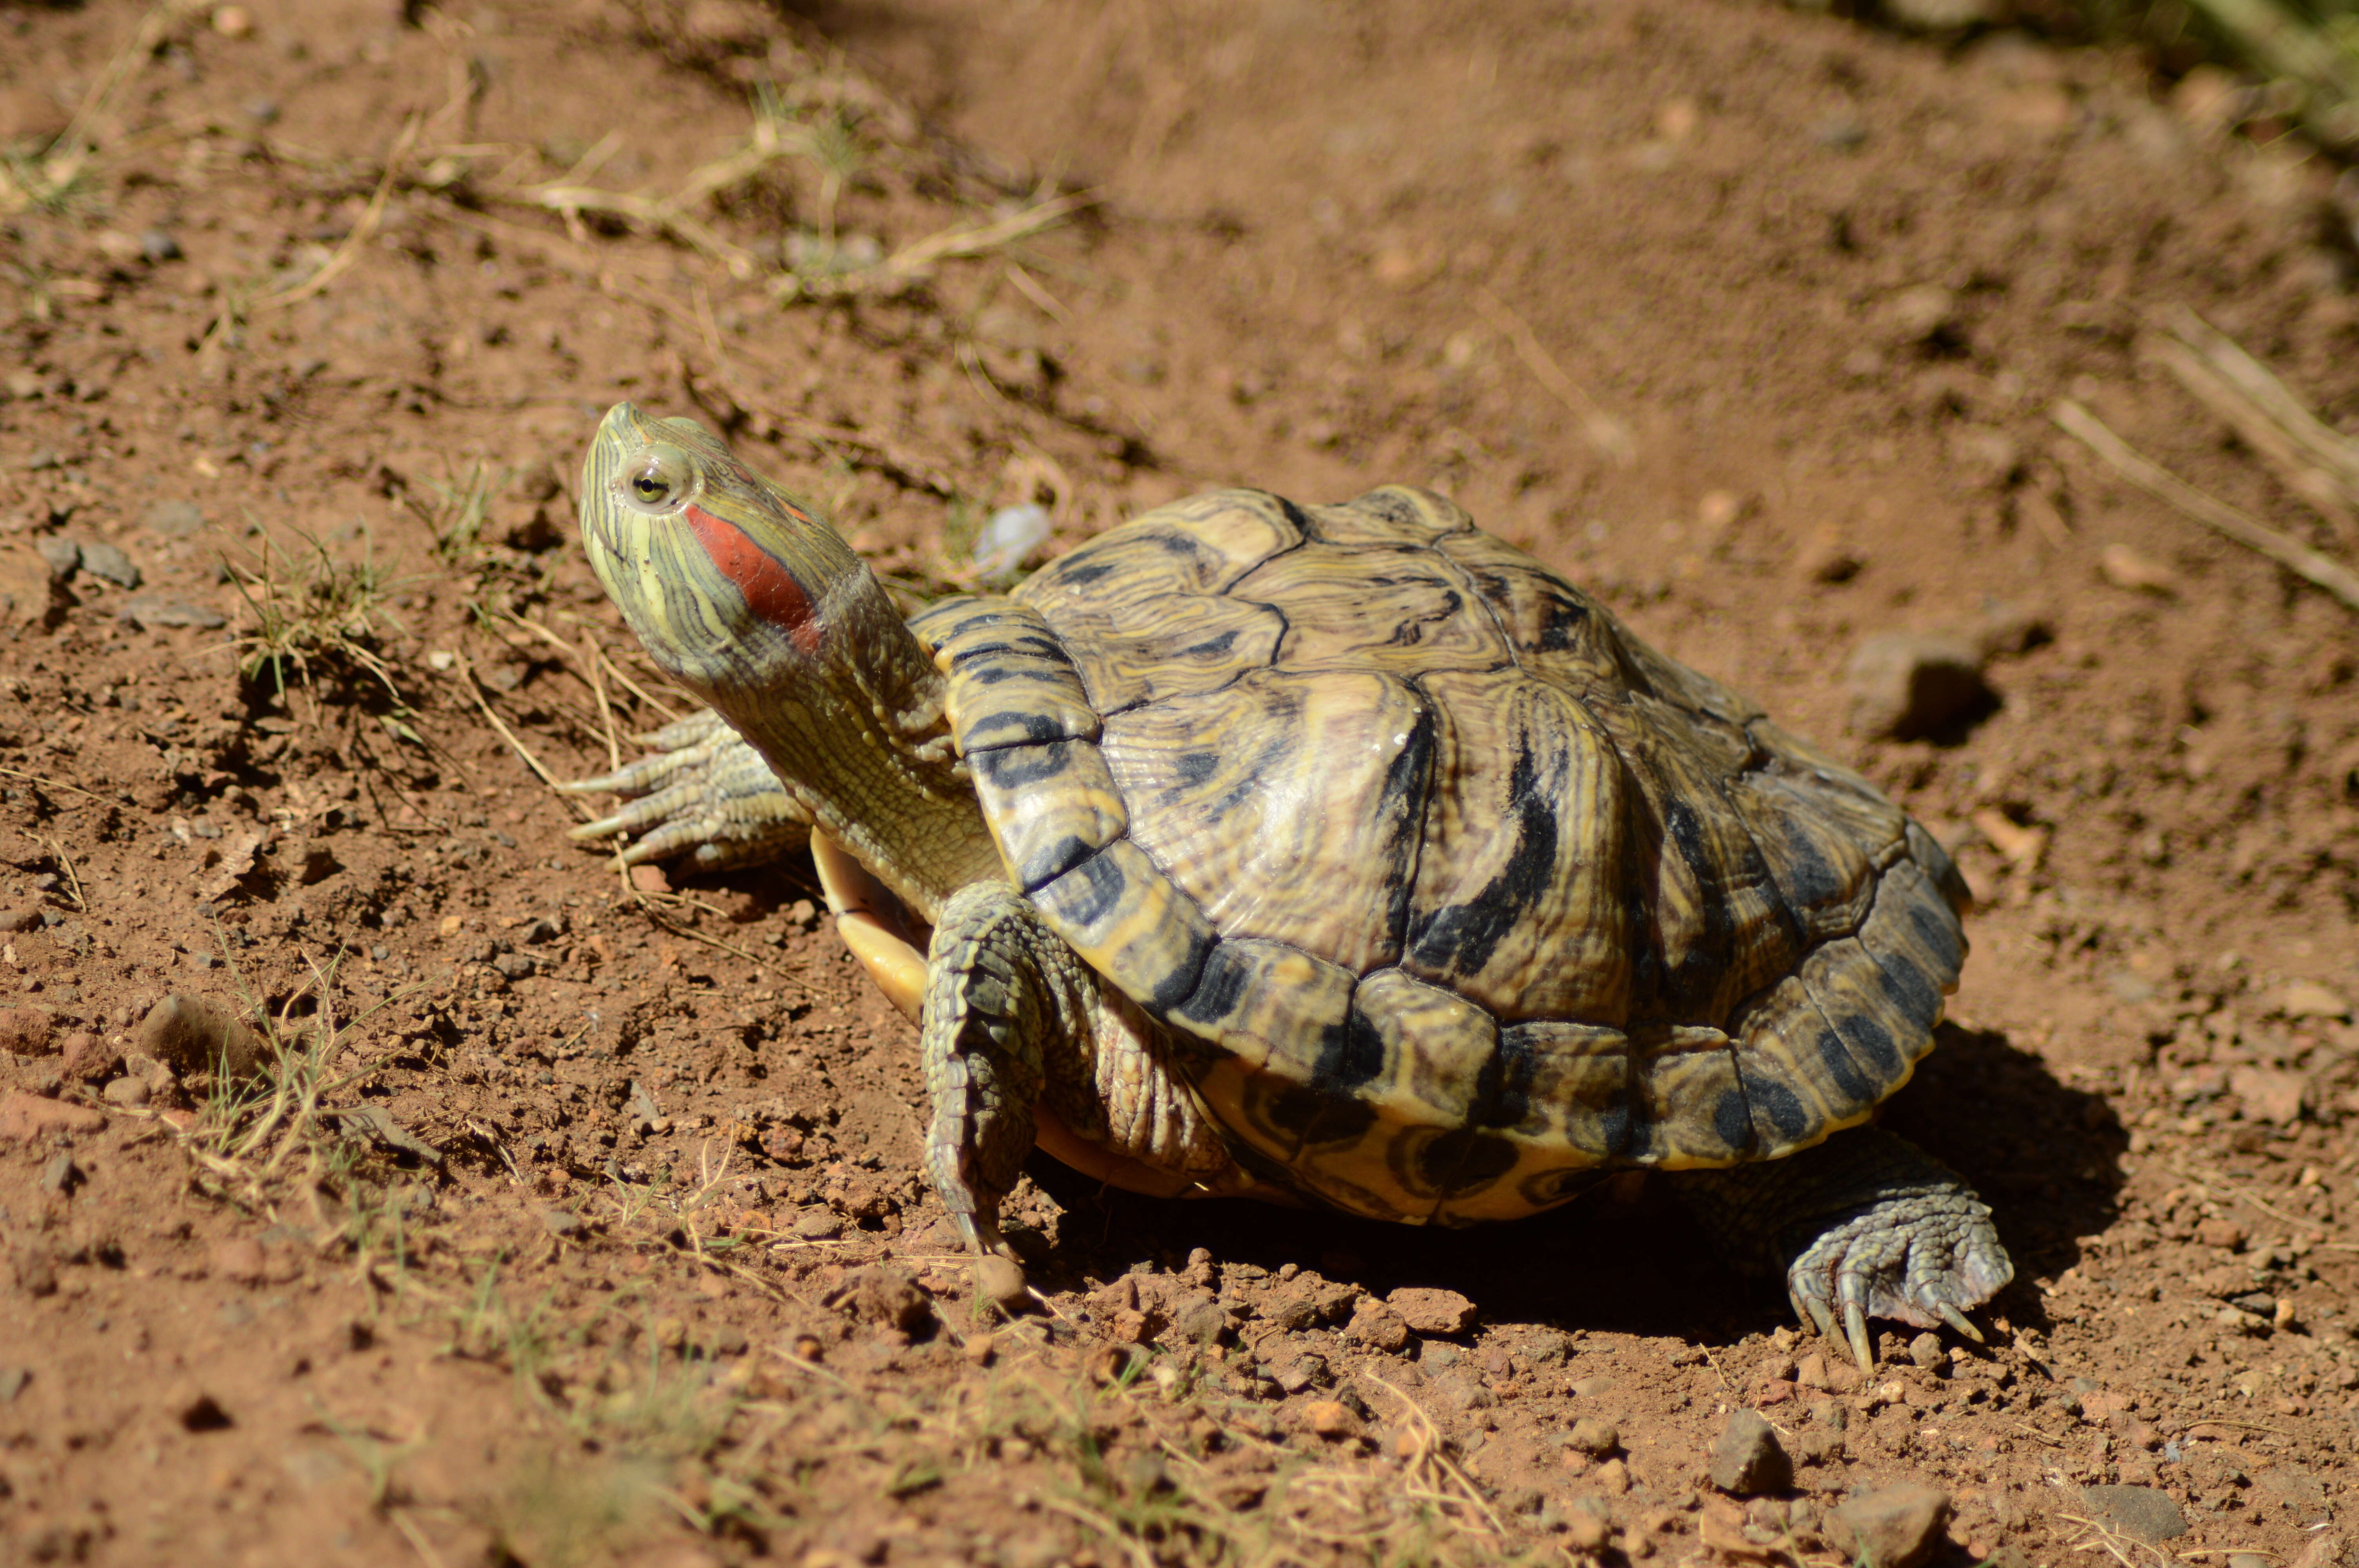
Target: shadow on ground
2044,1155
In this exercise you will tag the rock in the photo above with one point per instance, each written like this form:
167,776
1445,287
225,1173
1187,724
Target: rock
21,916
61,1176
85,1058
158,245
2142,1511
1925,1350
1908,684
126,1092
1921,312
2124,567
30,593
884,1295
240,1259
1000,1280
145,609
1375,1325
1429,1311
1747,1460
2307,998
108,561
2221,1232
1827,560
26,1032
1594,1437
201,1412
194,1034
24,1118
173,518
818,1224
1940,16
1012,536
1586,1531
1891,1526
2269,1094
63,555
2325,1551
560,1222
648,878
1331,1418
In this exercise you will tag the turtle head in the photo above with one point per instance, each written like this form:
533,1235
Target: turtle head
732,586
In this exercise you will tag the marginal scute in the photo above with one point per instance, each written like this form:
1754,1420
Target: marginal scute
1127,922
1053,805
1568,1084
1389,515
1223,789
1691,1108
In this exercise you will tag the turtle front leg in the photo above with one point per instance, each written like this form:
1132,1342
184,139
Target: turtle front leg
1865,1225
705,794
1005,999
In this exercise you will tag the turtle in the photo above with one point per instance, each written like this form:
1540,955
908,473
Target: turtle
1340,855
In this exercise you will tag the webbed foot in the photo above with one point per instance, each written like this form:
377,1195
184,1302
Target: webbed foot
705,794
1865,1226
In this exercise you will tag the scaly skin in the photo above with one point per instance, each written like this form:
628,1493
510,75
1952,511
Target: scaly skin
764,612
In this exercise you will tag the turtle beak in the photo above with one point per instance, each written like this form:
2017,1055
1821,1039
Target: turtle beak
726,580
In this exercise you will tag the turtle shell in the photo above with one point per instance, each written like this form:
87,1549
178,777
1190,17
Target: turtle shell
1451,892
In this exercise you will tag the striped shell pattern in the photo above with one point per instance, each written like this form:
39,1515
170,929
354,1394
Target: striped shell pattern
1449,893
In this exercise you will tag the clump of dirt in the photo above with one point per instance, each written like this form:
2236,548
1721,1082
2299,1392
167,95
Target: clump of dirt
548,1215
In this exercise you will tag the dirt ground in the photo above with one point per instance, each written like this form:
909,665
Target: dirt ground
575,1217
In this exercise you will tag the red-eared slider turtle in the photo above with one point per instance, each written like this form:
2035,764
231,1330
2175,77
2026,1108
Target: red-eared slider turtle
1341,854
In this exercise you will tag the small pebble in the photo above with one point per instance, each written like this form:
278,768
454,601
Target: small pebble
2124,567
1925,1350
1908,684
1428,1310
650,879
1891,1526
146,610
26,1032
109,562
61,1176
126,1092
1331,1418
1747,1460
1594,1437
195,1034
1586,1531
173,518
63,555
158,245
2142,1511
1012,536
1000,1280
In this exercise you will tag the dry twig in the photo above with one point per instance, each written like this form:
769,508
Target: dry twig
2217,516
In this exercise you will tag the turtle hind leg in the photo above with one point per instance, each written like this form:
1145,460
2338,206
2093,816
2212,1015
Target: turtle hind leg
1863,1225
705,794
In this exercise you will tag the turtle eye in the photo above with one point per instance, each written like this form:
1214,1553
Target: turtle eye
658,480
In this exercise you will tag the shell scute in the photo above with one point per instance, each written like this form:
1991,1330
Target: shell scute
1449,892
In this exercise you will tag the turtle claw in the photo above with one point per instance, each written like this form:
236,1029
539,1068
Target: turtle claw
1959,1321
1862,1349
705,795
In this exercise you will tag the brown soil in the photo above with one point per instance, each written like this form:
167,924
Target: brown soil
1751,319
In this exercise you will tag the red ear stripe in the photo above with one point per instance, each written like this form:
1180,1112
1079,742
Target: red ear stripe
769,589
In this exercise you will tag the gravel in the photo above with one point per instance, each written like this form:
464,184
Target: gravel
1747,1460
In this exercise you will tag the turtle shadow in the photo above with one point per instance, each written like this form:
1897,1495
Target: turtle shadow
2044,1155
